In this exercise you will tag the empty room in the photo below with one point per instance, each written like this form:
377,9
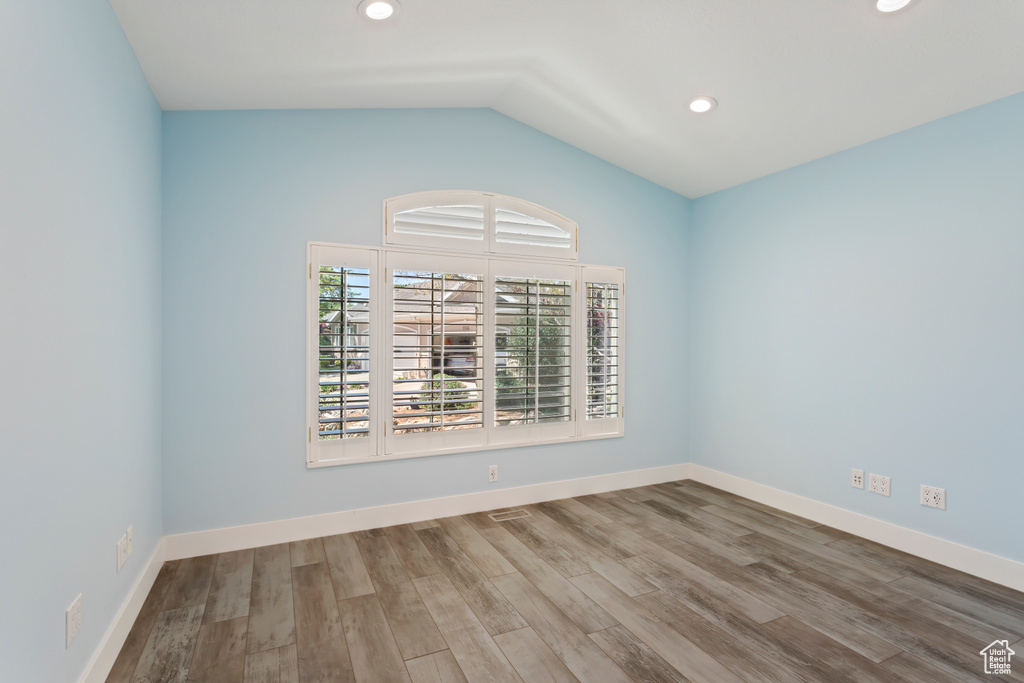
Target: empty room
511,340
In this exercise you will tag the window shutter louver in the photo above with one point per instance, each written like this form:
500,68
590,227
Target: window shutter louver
602,350
344,398
438,373
446,222
517,228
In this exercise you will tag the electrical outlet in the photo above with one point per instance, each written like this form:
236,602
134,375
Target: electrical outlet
857,479
73,620
933,497
128,538
122,551
880,484
492,473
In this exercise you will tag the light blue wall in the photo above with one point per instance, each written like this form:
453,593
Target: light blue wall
79,307
867,310
245,191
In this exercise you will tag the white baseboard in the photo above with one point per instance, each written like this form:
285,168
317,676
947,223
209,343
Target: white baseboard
103,659
979,563
197,543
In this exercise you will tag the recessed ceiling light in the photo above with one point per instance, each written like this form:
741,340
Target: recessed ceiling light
892,5
703,104
378,9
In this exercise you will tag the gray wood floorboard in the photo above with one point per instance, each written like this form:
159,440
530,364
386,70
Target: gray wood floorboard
191,584
583,611
168,652
486,601
271,608
374,652
319,636
309,551
416,559
230,589
280,665
723,642
561,559
624,579
348,571
478,655
489,560
579,654
532,658
830,654
671,582
635,657
414,630
220,652
439,667
675,648
124,665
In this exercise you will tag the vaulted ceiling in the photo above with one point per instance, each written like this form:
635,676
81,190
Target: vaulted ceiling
795,79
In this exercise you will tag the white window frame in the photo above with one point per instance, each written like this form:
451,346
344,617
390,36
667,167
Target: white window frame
491,202
382,444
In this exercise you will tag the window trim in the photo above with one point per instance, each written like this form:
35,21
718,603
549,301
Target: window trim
490,245
381,358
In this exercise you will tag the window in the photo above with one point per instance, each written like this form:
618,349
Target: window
436,319
478,222
454,219
416,352
533,351
342,338
602,350
437,334
344,352
603,373
532,340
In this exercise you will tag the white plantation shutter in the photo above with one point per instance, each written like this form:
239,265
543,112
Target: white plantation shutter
603,295
437,339
453,221
344,397
343,389
435,320
533,337
446,222
516,228
526,229
478,222
532,351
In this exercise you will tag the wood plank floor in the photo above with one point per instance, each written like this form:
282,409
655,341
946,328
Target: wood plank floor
673,582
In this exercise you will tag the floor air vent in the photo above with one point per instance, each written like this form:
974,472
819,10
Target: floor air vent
508,514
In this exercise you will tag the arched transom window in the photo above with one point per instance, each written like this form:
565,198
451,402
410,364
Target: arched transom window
478,222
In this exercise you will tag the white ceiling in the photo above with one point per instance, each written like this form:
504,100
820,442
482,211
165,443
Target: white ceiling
795,79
